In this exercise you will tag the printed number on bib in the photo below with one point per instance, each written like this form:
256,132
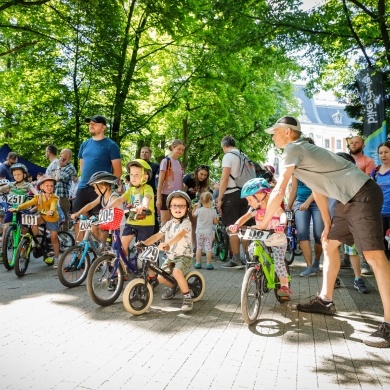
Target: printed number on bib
29,219
85,225
15,199
106,215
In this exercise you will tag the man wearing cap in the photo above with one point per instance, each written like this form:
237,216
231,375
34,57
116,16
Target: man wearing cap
98,153
357,215
5,173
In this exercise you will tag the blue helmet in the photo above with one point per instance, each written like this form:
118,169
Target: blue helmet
253,186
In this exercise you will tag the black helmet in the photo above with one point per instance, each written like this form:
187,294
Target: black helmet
19,166
178,194
347,157
102,177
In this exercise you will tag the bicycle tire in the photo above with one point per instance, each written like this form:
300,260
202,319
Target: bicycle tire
8,248
66,241
196,284
251,292
289,253
22,257
137,296
99,283
223,243
73,267
277,283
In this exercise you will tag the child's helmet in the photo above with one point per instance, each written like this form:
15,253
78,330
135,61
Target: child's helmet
178,194
270,168
19,166
102,177
253,186
45,178
138,162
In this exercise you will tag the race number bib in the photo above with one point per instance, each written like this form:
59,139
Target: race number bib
15,199
85,224
29,219
106,215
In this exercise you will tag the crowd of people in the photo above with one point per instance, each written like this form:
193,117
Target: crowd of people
179,210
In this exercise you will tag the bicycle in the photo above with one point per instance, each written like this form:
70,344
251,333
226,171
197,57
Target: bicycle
75,262
221,242
260,276
109,271
39,245
293,247
138,294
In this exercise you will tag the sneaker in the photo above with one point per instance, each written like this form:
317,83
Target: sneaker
197,266
366,269
112,285
360,286
380,338
187,303
337,283
209,266
233,264
317,306
316,266
345,263
55,263
170,293
307,272
284,291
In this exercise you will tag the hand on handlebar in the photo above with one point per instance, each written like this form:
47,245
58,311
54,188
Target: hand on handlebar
233,228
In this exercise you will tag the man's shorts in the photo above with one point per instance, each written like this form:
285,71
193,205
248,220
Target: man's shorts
142,233
233,207
181,262
83,197
360,221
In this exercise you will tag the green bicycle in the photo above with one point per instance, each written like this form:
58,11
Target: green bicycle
260,276
221,242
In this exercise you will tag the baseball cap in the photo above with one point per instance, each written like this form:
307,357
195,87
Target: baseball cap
288,122
97,119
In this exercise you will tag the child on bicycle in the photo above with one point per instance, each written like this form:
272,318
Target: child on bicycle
103,183
257,192
140,199
16,190
46,203
206,219
177,234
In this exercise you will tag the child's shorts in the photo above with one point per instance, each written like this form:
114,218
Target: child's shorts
350,250
142,233
182,262
53,226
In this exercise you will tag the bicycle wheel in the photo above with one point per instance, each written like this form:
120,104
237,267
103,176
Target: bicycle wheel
196,284
289,253
8,247
73,266
251,295
66,241
277,284
137,297
22,257
102,288
223,244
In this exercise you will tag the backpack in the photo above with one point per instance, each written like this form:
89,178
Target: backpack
246,171
168,172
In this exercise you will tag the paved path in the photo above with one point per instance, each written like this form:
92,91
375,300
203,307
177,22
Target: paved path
56,338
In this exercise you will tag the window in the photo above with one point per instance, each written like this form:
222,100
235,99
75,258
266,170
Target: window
338,144
327,144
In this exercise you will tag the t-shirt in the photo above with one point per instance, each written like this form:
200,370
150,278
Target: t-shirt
258,214
364,163
175,179
5,172
383,180
184,246
51,169
232,161
204,222
303,192
18,192
135,196
323,171
97,156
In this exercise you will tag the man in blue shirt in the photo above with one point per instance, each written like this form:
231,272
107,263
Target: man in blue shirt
5,172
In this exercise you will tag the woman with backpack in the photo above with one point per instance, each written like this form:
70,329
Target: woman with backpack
170,178
381,174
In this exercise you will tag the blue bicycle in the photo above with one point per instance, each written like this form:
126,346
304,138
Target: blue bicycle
293,248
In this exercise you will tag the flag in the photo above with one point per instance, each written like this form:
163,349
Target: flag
370,84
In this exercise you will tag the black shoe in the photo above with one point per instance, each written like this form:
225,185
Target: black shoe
345,263
337,283
317,306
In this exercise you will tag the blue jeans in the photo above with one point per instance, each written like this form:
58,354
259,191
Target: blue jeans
302,222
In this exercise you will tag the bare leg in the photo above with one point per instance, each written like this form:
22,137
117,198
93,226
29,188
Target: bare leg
331,268
307,252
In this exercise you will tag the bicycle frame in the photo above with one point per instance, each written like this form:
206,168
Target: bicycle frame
290,229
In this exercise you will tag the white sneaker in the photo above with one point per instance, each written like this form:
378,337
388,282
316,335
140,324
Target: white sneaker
55,263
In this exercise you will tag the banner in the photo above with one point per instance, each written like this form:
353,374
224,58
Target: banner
370,84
